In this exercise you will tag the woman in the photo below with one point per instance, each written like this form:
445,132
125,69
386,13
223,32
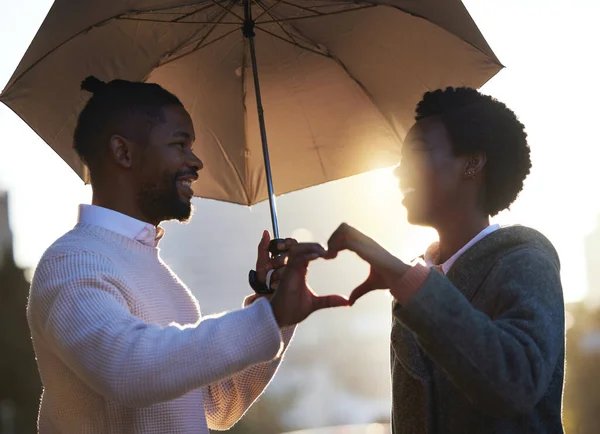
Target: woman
477,343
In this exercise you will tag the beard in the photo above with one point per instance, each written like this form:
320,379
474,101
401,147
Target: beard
160,200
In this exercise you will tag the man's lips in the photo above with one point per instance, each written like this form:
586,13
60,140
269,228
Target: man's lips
185,183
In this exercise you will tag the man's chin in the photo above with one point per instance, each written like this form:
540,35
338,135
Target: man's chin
188,214
183,214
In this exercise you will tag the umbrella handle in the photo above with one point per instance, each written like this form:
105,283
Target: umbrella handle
273,247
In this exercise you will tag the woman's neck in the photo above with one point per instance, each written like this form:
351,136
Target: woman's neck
456,233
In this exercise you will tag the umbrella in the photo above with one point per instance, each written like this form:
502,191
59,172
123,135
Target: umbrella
338,79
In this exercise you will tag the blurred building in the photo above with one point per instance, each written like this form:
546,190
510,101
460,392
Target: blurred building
5,233
582,396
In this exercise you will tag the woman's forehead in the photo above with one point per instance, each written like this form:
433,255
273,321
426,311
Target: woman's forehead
429,130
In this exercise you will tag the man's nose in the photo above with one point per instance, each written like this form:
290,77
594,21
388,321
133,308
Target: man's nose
194,162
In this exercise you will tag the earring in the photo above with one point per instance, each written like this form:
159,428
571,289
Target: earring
470,173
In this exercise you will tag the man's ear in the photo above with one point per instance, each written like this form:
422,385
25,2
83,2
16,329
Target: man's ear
121,151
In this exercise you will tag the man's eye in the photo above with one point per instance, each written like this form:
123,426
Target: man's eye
179,145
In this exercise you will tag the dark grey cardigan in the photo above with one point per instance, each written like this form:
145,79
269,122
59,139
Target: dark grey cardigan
482,349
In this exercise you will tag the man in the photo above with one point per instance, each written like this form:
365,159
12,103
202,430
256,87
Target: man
477,343
119,340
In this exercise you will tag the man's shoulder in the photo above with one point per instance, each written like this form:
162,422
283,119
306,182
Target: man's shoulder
75,243
76,256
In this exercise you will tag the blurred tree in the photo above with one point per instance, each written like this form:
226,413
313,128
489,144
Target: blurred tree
581,404
20,386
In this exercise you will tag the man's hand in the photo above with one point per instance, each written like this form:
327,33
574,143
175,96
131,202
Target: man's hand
294,301
253,297
264,262
385,267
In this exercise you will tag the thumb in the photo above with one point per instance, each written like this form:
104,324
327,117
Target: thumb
264,241
360,290
327,301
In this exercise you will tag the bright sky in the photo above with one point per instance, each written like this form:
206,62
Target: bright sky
550,49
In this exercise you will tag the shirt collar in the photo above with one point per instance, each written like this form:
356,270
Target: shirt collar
432,255
122,224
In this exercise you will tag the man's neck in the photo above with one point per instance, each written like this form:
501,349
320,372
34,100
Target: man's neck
124,207
455,235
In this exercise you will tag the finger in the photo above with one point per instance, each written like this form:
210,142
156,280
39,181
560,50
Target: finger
278,261
250,299
328,301
284,245
360,290
302,261
349,238
276,276
305,248
289,242
263,246
338,240
263,255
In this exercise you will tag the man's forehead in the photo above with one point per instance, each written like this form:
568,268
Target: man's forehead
178,122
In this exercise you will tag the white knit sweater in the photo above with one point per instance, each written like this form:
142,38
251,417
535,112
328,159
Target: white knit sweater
121,347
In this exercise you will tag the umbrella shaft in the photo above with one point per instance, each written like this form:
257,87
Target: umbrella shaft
248,30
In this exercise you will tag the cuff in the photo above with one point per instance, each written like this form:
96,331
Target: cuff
268,325
409,284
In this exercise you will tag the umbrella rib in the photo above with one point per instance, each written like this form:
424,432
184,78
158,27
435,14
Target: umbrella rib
304,8
245,107
229,9
292,42
200,9
266,11
279,23
214,26
200,45
342,65
317,16
87,29
231,165
185,43
148,20
34,64
162,11
197,48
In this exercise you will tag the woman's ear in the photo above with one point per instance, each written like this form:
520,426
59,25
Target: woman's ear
475,164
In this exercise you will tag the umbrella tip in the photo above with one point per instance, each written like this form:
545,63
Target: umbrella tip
92,84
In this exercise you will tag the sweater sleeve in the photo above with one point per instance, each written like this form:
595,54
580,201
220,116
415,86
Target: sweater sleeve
79,309
226,401
504,364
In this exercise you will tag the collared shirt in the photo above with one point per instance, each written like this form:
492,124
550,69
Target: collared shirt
433,253
122,224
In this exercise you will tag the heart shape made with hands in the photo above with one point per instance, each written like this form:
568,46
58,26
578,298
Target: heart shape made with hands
297,301
385,267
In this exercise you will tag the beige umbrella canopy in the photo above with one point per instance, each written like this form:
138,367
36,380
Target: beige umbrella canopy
339,79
